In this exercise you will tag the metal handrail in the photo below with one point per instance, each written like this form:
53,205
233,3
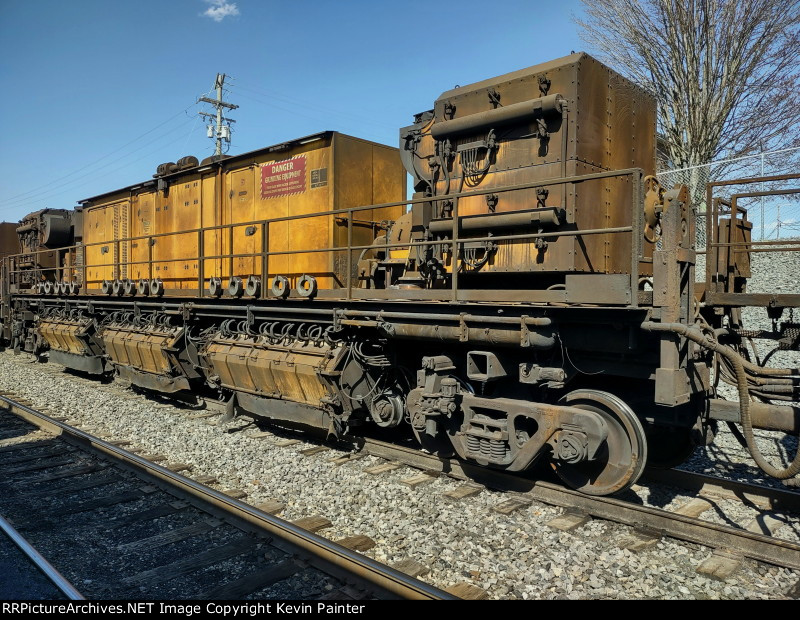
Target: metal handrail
714,245
455,242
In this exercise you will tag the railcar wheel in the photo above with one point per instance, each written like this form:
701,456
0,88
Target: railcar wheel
623,457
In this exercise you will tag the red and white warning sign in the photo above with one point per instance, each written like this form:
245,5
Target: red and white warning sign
282,178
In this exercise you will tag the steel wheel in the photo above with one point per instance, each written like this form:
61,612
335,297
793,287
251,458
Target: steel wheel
622,459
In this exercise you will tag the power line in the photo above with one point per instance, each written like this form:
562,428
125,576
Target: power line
300,114
326,110
71,185
92,163
110,172
39,196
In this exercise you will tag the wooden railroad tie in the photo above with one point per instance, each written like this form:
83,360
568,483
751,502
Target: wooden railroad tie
341,460
271,506
468,592
721,564
314,450
314,523
568,521
383,468
259,435
357,543
419,479
510,505
285,443
411,567
465,490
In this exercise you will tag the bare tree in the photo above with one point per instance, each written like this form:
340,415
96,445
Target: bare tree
725,73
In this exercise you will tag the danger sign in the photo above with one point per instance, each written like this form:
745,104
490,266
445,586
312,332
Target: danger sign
285,177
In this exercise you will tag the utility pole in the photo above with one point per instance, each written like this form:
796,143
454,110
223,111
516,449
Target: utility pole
222,130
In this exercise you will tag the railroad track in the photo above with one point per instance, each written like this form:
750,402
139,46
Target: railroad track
730,545
65,488
30,575
727,546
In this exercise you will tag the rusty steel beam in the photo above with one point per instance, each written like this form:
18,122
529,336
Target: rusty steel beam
763,415
780,300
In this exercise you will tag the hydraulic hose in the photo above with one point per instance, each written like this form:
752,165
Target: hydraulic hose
739,365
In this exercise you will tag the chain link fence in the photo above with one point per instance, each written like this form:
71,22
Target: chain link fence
773,217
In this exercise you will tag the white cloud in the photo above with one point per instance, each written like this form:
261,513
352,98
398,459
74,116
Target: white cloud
220,9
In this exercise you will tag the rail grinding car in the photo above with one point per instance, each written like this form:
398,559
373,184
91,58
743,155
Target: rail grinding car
534,300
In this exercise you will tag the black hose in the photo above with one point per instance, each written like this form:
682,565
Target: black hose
744,397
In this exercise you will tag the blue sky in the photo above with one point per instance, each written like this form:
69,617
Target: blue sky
97,93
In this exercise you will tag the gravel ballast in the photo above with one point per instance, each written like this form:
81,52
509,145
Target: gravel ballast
510,556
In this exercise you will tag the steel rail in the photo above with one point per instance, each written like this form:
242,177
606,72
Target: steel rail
749,544
384,579
770,498
50,571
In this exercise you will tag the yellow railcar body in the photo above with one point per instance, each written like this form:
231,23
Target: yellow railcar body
208,220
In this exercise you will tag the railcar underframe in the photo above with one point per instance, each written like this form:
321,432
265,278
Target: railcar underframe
554,318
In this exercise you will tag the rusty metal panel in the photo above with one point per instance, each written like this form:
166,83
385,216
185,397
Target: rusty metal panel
163,247
128,345
291,372
65,333
218,352
262,370
307,361
310,233
150,348
576,116
186,216
241,205
109,344
303,177
599,288
107,224
239,361
46,329
632,119
211,214
142,223
142,350
285,379
9,242
731,257
98,229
